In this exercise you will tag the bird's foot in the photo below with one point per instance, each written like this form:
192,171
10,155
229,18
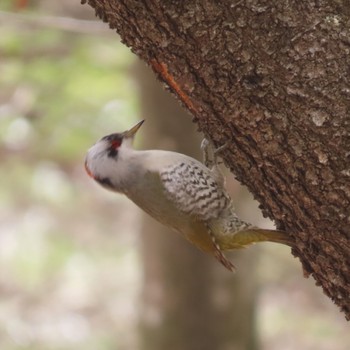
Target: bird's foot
210,159
207,149
210,153
221,148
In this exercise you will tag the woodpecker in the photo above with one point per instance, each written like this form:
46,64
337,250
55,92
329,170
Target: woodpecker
176,190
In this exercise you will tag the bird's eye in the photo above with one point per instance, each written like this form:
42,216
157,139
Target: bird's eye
115,144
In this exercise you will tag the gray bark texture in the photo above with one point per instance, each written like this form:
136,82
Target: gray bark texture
270,80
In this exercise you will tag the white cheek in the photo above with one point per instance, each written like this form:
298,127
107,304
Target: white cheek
103,166
95,158
98,148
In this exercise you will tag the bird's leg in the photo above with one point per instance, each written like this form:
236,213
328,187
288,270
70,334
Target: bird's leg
210,153
219,150
210,159
207,149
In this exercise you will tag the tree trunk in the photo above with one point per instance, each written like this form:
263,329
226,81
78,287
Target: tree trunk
181,284
270,80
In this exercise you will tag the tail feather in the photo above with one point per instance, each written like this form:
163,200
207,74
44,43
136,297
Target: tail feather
248,236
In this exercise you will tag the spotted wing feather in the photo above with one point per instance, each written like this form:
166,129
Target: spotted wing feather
194,190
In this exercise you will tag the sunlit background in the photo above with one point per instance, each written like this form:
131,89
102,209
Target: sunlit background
70,266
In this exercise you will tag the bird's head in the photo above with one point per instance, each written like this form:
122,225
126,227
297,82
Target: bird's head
105,152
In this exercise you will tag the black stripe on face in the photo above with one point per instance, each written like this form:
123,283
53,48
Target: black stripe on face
114,141
112,153
105,182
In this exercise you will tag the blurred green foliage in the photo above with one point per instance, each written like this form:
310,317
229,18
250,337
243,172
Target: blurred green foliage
56,83
60,92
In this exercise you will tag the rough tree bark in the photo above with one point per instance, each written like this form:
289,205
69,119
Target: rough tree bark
272,80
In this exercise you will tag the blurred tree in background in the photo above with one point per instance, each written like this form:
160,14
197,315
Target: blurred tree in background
190,302
70,273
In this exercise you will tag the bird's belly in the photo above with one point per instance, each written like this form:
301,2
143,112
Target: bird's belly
163,210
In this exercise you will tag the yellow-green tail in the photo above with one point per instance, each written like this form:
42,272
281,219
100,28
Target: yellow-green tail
252,235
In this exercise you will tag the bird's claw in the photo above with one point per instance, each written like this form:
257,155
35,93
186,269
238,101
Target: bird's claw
206,147
210,153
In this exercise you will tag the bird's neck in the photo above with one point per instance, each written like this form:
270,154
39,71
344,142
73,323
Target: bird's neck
115,172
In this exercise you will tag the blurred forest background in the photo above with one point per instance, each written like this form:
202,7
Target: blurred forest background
82,267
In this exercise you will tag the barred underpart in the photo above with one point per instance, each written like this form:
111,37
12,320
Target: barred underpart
194,190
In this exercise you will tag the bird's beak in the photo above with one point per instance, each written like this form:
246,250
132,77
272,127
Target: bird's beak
131,132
